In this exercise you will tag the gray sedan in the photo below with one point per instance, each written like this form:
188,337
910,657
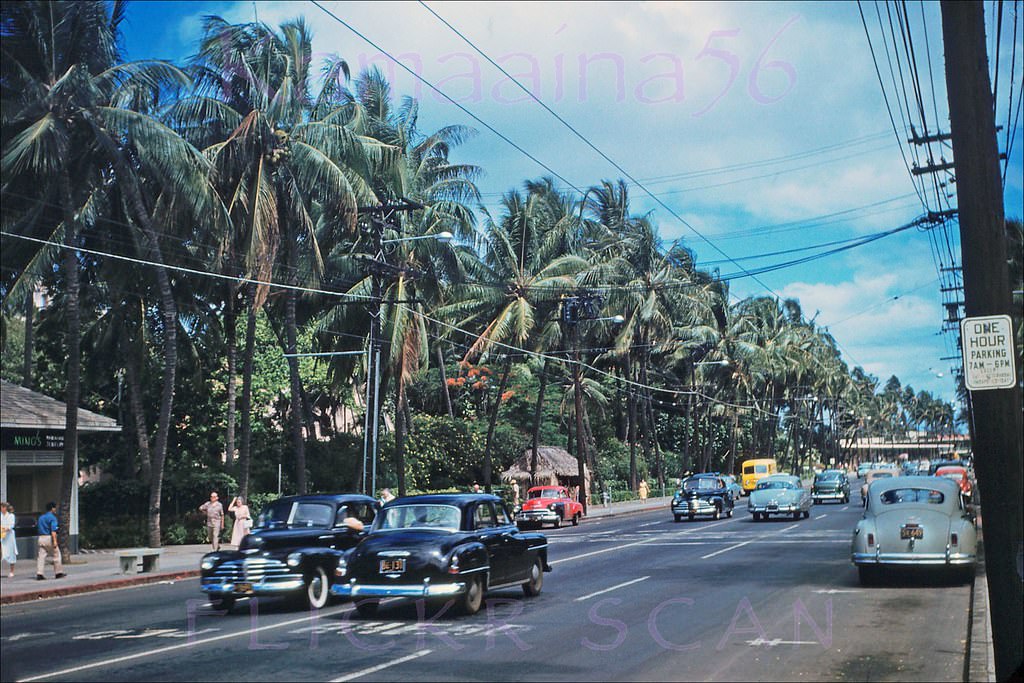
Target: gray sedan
779,494
914,522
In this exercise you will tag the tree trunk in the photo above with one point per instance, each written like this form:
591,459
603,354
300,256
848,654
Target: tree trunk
231,342
400,433
444,382
295,381
26,368
730,461
537,412
169,316
138,412
245,407
493,422
592,450
72,347
631,431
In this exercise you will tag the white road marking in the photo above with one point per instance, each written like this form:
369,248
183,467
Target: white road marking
833,591
29,634
778,641
845,507
381,667
609,590
171,648
635,543
725,550
651,523
792,526
822,516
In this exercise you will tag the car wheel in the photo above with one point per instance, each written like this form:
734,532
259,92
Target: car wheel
846,499
728,513
690,516
797,515
757,516
470,601
533,585
718,512
558,522
817,501
678,518
317,589
223,603
368,607
576,519
807,513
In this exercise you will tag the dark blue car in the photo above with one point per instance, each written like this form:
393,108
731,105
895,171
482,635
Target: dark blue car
705,494
443,547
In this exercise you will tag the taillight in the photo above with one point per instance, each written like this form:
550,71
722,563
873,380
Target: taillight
871,539
953,539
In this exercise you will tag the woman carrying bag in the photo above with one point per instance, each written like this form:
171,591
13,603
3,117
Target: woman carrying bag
243,522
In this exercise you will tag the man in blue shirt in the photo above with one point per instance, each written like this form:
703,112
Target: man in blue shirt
48,525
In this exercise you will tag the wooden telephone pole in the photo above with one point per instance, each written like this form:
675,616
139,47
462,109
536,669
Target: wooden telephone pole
997,412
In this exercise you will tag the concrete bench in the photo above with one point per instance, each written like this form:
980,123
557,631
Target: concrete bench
130,558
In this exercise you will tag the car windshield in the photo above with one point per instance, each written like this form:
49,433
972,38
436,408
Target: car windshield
544,493
897,496
296,515
702,484
953,475
829,476
881,475
775,484
440,517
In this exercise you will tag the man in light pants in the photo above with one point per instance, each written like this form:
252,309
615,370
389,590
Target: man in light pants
48,543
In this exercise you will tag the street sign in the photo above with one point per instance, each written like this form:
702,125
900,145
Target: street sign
987,343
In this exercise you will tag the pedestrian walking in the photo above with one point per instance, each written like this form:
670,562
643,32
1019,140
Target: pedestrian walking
214,519
643,490
515,493
8,543
243,522
47,541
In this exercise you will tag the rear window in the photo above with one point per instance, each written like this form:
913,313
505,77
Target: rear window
899,496
702,484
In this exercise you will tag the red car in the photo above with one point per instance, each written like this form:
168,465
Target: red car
959,475
548,505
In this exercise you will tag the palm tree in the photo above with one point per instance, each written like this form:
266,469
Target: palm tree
75,124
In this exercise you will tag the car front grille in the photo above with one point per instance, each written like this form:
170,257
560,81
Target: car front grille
251,570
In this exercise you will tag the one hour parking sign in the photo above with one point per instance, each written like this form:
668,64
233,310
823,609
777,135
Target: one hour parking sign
988,352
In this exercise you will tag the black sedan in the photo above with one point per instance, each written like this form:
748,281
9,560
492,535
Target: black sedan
703,494
831,485
292,550
442,547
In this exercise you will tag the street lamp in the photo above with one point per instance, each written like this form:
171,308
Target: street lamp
722,363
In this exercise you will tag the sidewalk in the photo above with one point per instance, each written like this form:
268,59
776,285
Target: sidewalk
100,570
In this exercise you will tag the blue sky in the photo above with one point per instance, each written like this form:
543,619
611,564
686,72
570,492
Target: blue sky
762,125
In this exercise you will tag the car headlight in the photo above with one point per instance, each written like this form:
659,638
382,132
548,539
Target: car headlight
207,563
342,566
294,559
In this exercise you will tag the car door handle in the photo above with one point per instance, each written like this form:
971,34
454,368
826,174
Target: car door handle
326,537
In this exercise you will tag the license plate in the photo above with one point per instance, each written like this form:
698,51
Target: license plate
395,566
912,532
244,588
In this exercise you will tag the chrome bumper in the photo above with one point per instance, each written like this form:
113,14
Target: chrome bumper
354,590
825,495
537,516
215,586
693,507
773,509
913,558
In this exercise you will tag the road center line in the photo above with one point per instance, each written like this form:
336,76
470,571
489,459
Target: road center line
822,516
635,543
381,667
179,646
609,590
792,526
725,550
651,523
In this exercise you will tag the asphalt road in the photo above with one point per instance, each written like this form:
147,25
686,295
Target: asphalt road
630,598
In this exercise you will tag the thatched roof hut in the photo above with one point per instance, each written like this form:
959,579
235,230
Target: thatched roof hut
554,466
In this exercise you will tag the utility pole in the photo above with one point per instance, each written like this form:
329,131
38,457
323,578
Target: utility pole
997,412
377,266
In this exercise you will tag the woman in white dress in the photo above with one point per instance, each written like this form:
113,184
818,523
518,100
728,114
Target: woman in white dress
242,520
9,544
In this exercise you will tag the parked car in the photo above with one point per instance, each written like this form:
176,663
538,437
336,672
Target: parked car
702,494
734,488
779,494
548,505
831,485
451,546
869,477
914,522
292,550
936,464
960,476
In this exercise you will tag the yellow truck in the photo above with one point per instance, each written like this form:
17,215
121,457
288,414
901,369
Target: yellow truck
756,469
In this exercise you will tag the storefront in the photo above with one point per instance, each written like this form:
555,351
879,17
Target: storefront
31,454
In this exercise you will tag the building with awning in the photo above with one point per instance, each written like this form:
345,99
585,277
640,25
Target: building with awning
31,454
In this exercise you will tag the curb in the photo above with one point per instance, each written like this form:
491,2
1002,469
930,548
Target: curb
30,596
979,664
